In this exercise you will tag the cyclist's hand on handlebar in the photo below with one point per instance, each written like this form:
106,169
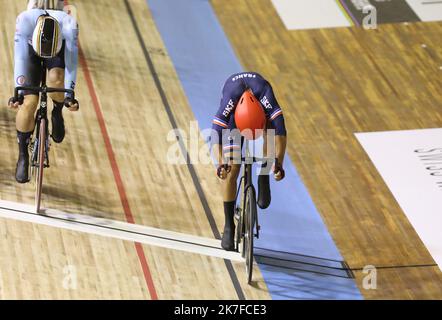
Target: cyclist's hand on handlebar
14,102
278,171
223,170
71,104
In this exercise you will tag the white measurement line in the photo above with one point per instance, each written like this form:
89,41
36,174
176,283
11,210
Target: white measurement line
117,229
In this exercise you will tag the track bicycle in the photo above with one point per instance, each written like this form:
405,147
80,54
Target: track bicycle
40,143
246,211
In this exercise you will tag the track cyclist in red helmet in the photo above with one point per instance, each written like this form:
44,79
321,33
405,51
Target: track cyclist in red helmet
248,104
44,33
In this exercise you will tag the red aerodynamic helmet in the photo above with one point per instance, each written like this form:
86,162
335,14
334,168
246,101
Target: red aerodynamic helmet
250,118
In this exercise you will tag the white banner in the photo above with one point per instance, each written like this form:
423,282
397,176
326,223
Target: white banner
410,162
427,10
310,14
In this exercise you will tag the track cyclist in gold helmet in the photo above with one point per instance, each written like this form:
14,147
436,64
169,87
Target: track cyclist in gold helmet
44,33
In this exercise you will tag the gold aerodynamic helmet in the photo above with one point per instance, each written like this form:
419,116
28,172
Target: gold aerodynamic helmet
47,39
46,4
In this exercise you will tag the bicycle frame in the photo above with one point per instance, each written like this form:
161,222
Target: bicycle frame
246,178
247,216
248,182
40,145
42,114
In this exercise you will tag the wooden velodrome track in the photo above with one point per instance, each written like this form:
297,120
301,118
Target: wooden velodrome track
332,82
82,178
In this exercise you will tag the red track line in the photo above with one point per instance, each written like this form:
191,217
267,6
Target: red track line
116,172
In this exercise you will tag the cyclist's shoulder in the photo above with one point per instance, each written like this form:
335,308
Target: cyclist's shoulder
27,15
32,15
27,20
66,21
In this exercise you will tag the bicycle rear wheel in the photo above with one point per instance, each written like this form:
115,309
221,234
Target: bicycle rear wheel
40,164
249,224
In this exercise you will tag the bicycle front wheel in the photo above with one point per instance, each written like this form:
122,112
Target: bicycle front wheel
249,224
40,164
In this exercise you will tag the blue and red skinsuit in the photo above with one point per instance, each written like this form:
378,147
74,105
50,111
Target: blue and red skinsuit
233,89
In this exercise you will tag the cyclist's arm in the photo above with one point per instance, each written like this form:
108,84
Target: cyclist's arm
280,137
217,147
219,123
275,115
70,33
23,32
218,150
281,144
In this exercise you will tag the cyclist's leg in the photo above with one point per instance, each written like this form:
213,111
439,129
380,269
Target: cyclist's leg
25,119
25,123
31,72
229,195
55,79
231,151
264,194
230,183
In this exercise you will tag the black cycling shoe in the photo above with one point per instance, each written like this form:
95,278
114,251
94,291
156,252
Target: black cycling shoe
228,241
58,131
22,169
264,196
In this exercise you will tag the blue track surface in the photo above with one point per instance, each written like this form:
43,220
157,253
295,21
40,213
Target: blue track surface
299,259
